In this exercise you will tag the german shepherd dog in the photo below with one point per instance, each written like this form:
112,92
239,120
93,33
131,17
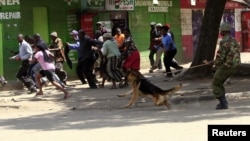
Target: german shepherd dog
142,87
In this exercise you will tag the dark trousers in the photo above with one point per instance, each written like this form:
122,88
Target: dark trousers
152,53
79,72
22,74
60,72
86,67
220,76
169,62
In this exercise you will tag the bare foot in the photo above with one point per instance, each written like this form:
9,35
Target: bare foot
66,95
39,93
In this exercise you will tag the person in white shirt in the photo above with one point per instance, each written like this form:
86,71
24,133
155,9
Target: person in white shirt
24,55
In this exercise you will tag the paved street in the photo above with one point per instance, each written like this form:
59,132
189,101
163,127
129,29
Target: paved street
98,115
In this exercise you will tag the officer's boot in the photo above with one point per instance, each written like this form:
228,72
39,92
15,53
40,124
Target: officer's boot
223,103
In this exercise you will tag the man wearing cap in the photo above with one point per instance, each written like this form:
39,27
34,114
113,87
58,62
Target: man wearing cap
159,47
226,62
56,46
76,46
153,45
100,26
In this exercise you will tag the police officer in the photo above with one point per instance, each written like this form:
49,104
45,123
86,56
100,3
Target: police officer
226,62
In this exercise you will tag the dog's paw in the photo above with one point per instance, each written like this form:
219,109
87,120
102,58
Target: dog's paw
169,107
128,106
120,95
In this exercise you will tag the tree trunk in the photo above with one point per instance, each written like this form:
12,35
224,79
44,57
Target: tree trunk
207,39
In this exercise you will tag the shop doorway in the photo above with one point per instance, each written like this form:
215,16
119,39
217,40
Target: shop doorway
118,20
87,24
40,22
245,25
197,16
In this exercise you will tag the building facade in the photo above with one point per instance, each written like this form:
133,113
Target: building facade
30,17
191,20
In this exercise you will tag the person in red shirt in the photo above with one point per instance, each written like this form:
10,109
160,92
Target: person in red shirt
131,56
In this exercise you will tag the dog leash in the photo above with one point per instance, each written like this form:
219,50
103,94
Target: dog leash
197,66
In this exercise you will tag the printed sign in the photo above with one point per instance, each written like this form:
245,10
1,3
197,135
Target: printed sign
162,5
9,2
157,9
69,2
95,3
10,10
10,15
121,5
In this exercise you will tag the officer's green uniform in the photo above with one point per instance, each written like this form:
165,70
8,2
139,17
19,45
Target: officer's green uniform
227,60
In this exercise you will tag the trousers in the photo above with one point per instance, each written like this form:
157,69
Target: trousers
22,74
220,76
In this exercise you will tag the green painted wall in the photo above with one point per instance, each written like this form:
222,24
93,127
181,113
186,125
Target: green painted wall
10,28
40,22
140,18
64,16
1,50
61,17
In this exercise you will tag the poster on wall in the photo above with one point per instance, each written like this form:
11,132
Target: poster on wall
160,6
119,5
87,24
186,21
238,20
245,30
95,4
228,17
196,27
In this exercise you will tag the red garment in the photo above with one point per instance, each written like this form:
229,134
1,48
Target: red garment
132,61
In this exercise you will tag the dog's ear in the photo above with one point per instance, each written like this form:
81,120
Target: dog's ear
139,75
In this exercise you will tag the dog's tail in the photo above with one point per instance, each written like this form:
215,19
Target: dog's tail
172,90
